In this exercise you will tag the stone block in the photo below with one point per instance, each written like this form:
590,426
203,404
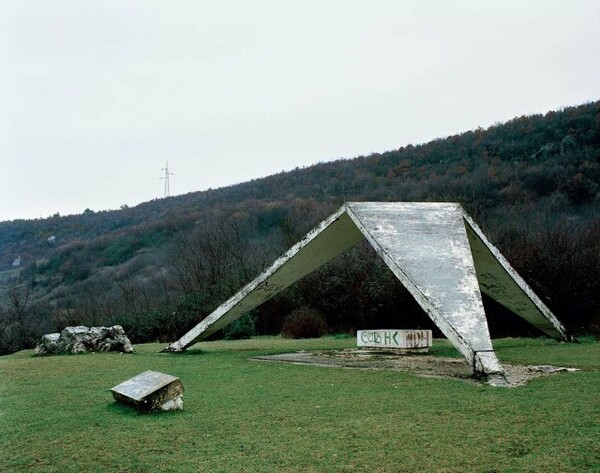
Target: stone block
151,391
409,340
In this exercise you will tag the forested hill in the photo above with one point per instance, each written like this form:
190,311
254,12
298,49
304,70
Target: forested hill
532,183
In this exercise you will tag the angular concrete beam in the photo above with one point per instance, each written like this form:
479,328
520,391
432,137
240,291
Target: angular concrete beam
328,240
499,280
426,247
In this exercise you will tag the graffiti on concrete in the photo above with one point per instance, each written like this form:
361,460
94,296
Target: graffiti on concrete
403,339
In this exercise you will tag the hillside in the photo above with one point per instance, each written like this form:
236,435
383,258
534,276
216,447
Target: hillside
532,183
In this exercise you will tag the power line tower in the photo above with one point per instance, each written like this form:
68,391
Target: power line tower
166,179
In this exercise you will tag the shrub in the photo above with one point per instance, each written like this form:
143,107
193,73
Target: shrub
342,336
241,328
579,189
304,322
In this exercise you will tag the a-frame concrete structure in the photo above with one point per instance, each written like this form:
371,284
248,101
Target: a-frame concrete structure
438,253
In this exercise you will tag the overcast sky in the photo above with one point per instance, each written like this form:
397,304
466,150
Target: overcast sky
95,97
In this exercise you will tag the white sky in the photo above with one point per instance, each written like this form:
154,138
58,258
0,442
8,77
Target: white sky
96,96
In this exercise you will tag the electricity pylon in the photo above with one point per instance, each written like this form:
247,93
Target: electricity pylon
166,179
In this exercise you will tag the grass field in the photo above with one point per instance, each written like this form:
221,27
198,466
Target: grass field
57,414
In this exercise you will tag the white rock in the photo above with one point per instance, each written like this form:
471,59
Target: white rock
81,339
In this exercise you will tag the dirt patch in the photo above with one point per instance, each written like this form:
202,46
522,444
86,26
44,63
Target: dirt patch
420,365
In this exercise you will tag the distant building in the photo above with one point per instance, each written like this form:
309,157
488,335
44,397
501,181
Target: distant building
52,239
17,262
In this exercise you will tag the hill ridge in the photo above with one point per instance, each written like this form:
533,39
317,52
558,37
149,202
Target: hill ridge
532,183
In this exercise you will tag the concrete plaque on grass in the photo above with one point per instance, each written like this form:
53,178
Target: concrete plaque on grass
409,340
151,391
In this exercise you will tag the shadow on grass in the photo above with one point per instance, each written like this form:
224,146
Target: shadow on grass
119,409
125,411
445,351
189,352
521,342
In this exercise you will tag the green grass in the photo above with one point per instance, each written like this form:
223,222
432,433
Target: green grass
57,414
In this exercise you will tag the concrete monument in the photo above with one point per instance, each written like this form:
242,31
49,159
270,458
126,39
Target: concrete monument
436,251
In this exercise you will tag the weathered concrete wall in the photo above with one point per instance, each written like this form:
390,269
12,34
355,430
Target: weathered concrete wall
426,247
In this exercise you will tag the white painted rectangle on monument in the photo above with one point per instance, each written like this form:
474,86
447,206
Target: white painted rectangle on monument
399,339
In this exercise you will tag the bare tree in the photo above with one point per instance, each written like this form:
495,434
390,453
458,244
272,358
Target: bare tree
20,324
